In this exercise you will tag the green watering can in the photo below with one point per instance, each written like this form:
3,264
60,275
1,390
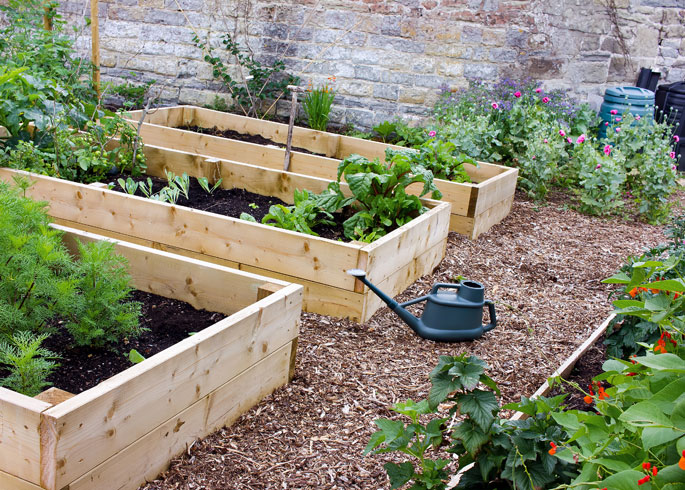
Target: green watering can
449,316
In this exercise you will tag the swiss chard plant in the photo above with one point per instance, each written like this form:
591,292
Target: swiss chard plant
380,194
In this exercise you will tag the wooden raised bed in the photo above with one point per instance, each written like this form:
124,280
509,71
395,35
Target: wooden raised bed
475,207
393,262
126,429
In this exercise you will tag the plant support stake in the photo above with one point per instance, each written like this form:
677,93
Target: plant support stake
291,123
95,44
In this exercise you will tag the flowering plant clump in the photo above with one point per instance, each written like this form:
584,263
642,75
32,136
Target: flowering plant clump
317,104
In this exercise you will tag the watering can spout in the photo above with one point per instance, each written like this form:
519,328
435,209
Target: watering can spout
400,311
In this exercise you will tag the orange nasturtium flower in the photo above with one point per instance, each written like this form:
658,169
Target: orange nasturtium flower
553,450
588,399
602,394
633,292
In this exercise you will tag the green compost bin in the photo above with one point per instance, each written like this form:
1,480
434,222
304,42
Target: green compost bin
638,101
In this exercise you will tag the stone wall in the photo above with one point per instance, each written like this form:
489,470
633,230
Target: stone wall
391,57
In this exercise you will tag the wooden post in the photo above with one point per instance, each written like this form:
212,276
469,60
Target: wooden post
95,44
293,112
47,20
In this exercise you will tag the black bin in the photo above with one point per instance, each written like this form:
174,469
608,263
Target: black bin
670,98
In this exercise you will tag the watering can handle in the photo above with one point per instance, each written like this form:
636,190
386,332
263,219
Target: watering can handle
493,317
439,285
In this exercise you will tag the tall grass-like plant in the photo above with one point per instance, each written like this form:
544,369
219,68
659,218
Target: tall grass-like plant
317,105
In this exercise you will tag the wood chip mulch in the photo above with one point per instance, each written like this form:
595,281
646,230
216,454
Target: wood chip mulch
542,265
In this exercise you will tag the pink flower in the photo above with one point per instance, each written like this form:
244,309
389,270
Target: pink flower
432,133
538,90
494,105
672,154
599,165
545,140
676,138
607,150
517,94
673,167
580,139
637,118
606,123
569,139
533,157
618,119
614,111
545,100
562,133
618,130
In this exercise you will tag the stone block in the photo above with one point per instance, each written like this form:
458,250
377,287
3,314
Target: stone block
430,81
359,118
339,19
451,69
391,25
423,65
359,89
397,77
195,97
410,95
493,37
646,42
397,44
482,71
186,5
385,91
151,3
471,34
122,29
368,73
503,54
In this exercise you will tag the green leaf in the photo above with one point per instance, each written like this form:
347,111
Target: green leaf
619,278
399,473
657,303
135,357
625,480
645,413
663,362
656,436
471,435
480,406
676,285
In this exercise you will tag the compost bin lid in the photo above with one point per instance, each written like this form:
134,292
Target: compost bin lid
676,87
630,93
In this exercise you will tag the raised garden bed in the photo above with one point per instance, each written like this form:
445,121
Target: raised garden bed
126,429
393,262
476,207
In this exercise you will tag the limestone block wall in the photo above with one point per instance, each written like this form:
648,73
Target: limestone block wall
391,57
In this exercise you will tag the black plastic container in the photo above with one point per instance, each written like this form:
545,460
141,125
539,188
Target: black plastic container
670,105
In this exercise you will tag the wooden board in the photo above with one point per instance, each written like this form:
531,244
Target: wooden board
568,365
493,186
19,435
88,429
317,263
148,456
11,482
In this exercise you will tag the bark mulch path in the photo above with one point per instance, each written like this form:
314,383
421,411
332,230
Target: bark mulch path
542,265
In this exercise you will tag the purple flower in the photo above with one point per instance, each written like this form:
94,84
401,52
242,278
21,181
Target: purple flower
432,133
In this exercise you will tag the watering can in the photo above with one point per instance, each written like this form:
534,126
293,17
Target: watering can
449,316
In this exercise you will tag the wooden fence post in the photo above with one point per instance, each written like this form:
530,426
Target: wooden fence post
95,44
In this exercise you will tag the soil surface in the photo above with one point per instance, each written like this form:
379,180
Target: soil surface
542,266
234,202
250,138
169,321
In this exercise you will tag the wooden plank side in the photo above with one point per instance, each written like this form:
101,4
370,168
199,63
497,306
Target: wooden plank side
20,435
486,220
495,190
462,225
395,250
201,284
165,116
150,454
402,278
11,482
96,424
484,171
312,258
570,362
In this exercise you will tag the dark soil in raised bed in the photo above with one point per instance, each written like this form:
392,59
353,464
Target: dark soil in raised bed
233,202
587,367
169,321
249,138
